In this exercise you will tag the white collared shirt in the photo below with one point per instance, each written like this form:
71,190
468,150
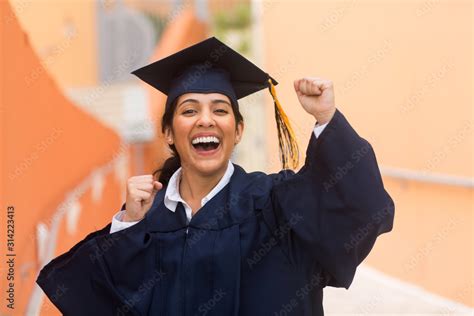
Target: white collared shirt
172,195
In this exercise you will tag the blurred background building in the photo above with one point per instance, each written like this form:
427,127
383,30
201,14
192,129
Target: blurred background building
75,124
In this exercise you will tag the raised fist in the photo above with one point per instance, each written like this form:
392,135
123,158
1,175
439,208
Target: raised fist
141,191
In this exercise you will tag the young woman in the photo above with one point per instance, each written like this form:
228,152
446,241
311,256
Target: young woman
208,238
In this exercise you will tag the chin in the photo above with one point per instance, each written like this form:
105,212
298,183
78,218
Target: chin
210,166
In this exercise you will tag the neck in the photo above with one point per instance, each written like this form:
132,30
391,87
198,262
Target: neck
195,186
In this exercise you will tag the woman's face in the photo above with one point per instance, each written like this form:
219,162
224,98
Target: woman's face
204,131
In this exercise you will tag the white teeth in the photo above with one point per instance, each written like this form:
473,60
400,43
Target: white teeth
208,139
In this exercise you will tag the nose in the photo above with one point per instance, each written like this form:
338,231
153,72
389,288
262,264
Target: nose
205,119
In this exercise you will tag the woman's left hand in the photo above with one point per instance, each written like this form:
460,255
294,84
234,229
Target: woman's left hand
316,95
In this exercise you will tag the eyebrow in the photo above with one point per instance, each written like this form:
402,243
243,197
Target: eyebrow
214,101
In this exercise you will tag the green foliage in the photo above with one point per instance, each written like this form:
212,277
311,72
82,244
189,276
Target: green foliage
234,22
238,18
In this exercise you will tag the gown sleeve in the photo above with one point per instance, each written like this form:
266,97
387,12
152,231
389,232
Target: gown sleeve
76,282
331,211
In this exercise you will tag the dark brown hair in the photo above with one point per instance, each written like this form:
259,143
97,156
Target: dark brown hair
174,162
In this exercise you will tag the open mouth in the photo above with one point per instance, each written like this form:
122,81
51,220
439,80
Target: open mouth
206,144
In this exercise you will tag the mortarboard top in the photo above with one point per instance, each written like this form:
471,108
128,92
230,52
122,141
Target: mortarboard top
206,56
210,66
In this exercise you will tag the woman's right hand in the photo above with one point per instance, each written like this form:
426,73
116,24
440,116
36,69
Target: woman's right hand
141,191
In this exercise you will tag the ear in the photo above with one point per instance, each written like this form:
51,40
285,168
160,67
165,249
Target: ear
169,136
239,132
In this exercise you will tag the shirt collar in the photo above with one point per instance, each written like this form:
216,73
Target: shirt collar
172,195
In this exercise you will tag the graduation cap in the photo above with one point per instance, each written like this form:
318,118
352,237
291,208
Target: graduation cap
211,66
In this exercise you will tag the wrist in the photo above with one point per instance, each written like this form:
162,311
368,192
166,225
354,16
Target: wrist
128,218
324,117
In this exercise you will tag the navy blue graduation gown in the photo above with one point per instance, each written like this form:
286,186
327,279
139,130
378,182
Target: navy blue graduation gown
264,245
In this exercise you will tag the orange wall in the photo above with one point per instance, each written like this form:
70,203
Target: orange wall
431,244
48,147
402,72
62,33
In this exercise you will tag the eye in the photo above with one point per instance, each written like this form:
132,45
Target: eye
222,111
189,111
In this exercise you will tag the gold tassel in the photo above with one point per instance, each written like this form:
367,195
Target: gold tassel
289,153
